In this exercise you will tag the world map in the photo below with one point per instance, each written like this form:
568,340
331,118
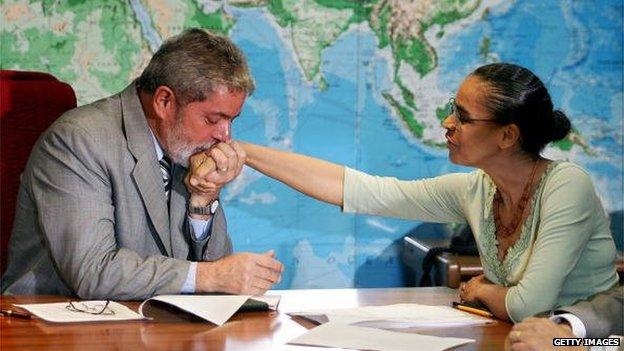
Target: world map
362,83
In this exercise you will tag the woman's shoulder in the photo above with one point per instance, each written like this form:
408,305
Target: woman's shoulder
568,181
566,166
568,173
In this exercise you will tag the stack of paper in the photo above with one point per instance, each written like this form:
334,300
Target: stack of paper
363,327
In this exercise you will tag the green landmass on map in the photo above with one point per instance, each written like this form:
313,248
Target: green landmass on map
106,58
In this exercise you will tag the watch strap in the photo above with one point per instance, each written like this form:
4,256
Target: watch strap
209,209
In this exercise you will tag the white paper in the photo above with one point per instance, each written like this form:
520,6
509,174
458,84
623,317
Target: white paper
334,334
400,316
217,309
58,313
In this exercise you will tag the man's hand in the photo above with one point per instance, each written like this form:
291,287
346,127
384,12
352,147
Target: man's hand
242,274
536,334
211,169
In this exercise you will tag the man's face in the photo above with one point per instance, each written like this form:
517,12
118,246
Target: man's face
198,125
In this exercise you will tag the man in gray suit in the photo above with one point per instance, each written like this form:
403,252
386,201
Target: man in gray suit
598,317
102,213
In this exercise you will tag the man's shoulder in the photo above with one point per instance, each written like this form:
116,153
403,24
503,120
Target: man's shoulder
100,118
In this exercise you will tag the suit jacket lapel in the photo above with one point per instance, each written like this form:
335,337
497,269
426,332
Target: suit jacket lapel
146,172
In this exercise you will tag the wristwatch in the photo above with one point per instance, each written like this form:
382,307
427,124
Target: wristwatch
209,209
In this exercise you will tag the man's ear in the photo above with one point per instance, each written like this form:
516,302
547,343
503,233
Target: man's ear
164,102
510,135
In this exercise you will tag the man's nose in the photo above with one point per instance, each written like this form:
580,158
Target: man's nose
223,131
449,122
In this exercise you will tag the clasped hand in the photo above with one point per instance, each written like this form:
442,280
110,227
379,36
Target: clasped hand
469,291
210,170
242,273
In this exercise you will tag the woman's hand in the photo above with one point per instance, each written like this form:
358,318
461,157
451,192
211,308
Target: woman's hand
471,290
480,289
210,170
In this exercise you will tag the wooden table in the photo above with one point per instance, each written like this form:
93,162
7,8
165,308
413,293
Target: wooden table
448,269
245,331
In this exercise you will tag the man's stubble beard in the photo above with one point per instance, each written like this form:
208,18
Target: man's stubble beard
180,146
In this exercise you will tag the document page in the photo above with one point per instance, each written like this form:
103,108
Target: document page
334,334
213,308
83,311
217,309
397,316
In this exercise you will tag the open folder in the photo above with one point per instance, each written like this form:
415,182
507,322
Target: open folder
217,309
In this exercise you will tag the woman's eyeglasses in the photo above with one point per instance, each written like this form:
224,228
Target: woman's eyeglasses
462,118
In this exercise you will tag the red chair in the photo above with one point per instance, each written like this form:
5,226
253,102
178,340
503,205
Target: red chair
29,103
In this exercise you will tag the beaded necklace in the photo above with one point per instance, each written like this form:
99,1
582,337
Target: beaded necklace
506,231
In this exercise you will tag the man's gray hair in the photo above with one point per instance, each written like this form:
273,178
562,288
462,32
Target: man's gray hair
195,63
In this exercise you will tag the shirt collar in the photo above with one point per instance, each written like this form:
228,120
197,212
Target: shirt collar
159,151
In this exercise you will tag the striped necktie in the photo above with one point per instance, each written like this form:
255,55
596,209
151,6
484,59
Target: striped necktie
165,169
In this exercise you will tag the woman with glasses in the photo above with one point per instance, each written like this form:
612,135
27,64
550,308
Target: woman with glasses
542,233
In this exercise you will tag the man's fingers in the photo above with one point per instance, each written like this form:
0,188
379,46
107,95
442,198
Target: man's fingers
200,184
515,335
206,187
206,166
520,346
220,158
232,157
270,263
201,165
268,275
236,158
256,272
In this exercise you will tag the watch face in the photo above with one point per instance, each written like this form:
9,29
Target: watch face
213,206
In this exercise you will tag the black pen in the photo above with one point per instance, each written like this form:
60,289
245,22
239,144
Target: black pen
10,313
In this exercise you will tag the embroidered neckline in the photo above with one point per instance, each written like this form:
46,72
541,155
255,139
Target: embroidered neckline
502,269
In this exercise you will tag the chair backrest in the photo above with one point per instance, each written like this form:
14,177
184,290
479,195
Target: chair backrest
29,103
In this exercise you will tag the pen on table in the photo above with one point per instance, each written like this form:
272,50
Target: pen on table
473,310
15,314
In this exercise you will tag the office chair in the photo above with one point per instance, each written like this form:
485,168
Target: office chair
29,103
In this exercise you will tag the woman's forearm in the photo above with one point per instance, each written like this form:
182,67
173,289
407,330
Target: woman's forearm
319,179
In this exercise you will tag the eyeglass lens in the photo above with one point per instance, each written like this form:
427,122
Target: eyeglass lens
452,110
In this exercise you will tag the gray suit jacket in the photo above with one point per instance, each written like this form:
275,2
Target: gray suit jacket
91,215
602,314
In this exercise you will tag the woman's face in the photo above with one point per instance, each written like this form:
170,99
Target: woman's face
472,136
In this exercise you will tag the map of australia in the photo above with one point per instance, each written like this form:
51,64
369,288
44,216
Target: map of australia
363,83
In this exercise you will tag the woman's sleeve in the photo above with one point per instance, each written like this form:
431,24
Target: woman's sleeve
565,226
436,199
